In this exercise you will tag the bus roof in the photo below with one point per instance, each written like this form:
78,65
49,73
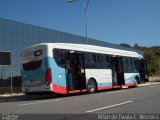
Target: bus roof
90,48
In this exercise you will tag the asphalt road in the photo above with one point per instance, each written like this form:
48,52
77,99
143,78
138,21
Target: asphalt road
135,100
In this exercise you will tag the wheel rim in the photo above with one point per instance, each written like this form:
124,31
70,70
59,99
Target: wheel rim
135,82
91,86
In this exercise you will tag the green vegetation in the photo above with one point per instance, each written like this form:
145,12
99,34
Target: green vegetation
152,55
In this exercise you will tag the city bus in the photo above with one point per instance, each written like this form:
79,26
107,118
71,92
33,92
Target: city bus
65,68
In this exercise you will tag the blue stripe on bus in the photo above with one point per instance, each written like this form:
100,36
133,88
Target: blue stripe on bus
104,84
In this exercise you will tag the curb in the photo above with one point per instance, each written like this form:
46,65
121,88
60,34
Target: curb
147,84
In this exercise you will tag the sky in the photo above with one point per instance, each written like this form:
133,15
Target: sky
114,21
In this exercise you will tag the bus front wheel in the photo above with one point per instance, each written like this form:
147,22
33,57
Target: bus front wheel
91,86
135,83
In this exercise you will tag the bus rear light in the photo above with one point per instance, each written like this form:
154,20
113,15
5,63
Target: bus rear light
48,78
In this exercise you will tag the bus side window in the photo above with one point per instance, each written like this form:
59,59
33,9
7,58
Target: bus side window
108,63
130,65
90,60
59,56
101,62
126,65
134,65
94,58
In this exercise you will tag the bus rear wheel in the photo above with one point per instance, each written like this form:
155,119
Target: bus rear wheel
91,86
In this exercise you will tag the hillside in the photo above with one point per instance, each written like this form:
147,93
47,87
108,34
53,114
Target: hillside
152,55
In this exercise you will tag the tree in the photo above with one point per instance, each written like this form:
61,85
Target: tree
125,45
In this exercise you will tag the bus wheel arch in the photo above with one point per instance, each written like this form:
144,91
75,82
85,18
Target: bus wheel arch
92,85
138,79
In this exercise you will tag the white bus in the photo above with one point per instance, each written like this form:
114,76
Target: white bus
66,68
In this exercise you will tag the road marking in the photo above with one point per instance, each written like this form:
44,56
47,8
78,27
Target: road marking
39,102
111,106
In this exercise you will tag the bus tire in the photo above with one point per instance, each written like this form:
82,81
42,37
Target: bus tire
135,83
91,86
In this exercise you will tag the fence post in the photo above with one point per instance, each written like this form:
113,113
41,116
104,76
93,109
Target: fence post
11,78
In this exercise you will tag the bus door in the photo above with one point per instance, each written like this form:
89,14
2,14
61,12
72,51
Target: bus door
117,71
142,68
77,72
